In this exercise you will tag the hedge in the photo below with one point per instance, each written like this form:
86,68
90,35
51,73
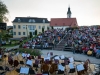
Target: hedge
35,52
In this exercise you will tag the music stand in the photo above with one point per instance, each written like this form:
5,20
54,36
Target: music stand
80,67
21,62
72,68
18,70
24,70
62,57
1,68
71,59
60,72
29,63
31,72
45,73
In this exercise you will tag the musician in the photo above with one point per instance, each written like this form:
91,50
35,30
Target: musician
10,60
16,63
45,68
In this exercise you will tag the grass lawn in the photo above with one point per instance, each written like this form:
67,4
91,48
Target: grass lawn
8,45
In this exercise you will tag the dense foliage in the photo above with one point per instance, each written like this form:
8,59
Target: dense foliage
3,12
34,52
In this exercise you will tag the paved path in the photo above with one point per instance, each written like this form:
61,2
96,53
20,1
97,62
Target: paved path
81,57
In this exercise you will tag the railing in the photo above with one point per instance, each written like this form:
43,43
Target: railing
62,39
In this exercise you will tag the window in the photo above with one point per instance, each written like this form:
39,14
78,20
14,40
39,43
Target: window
39,27
14,33
24,27
31,20
19,33
23,33
44,27
19,20
31,27
14,26
33,33
43,21
19,27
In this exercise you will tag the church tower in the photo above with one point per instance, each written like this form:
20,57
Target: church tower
69,13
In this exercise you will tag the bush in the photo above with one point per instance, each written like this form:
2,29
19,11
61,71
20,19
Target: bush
35,32
42,30
34,52
31,35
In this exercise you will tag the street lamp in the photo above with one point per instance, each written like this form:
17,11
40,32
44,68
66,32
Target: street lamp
26,32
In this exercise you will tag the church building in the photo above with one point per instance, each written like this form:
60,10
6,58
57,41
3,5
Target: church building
64,22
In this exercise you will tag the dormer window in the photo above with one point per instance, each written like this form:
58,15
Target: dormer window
19,20
43,21
31,20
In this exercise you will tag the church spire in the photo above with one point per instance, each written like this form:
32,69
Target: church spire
69,13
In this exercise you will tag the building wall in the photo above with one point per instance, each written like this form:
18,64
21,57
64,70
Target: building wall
60,27
37,26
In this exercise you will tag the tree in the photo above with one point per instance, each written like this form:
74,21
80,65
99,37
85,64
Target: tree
3,12
47,28
35,32
5,36
30,34
42,29
52,27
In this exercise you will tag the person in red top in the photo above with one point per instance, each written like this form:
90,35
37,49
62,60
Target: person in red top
84,49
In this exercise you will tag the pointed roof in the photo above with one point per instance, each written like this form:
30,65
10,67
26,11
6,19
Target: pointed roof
69,11
63,22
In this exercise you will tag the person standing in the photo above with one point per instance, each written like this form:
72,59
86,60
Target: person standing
41,45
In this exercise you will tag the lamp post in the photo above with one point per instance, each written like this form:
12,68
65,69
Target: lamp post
26,32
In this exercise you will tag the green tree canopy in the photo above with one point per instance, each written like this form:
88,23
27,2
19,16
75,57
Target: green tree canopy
35,32
3,12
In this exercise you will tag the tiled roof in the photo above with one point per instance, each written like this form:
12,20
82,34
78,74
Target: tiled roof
63,22
30,20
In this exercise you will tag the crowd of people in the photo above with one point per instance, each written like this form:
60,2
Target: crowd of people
48,39
84,40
